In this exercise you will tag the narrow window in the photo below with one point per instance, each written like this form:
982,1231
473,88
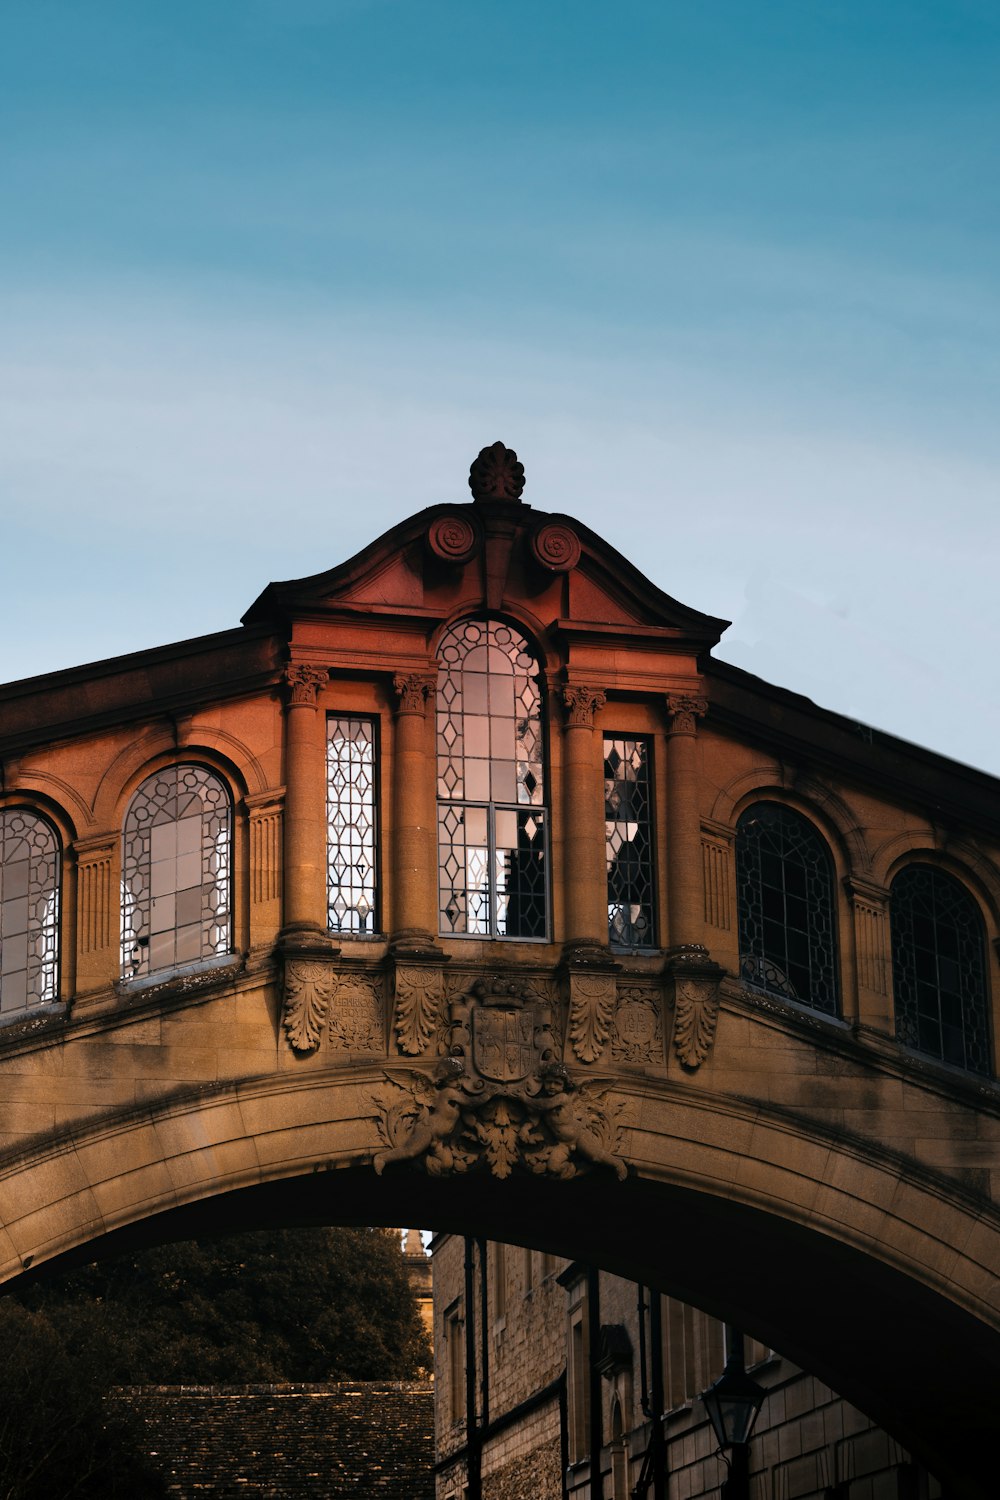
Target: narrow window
29,911
939,969
499,1281
784,883
628,842
455,1347
491,789
351,825
176,876
579,1386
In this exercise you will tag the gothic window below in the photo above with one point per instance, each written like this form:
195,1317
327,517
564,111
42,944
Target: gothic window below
29,911
351,825
939,969
176,876
628,842
492,829
785,890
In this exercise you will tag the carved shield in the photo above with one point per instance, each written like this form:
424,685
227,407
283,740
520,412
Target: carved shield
503,1048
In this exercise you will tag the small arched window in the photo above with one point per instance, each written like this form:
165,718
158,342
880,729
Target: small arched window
29,911
491,784
939,969
786,913
176,879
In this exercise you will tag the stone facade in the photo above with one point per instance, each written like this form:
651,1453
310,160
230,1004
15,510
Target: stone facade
808,1443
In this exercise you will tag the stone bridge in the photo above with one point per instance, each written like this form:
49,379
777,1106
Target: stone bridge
461,886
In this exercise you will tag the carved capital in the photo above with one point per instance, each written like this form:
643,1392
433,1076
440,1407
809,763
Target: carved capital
582,703
304,682
684,712
413,690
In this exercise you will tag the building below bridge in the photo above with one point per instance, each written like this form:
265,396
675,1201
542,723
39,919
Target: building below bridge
569,1362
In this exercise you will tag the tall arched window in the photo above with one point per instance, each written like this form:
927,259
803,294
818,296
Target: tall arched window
176,857
939,969
785,890
491,785
29,911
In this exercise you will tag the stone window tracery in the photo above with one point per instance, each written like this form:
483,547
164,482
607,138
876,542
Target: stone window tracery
492,827
351,825
628,842
939,969
785,890
29,911
176,871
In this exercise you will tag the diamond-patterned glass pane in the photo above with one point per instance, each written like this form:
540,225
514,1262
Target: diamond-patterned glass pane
176,878
628,831
491,784
29,911
785,891
351,825
938,969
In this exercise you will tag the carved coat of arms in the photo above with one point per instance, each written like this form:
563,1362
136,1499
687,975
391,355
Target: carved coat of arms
499,1097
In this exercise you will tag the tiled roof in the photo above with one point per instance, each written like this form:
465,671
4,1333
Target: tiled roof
352,1438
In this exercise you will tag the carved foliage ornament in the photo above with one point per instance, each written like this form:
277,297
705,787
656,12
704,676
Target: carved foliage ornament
496,474
304,681
309,986
591,1007
582,703
499,1100
696,1002
452,538
556,547
419,1001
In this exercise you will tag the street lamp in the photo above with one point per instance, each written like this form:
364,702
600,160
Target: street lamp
733,1403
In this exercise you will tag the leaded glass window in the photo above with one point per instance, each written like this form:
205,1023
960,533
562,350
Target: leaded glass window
785,890
491,787
176,882
29,911
628,842
939,969
350,811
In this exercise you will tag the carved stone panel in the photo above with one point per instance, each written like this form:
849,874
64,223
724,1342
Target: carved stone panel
694,981
309,984
591,1007
419,1006
357,1014
637,1033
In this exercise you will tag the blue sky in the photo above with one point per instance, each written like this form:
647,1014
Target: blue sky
724,274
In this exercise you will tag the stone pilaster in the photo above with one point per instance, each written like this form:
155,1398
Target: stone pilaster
305,801
98,911
585,876
264,812
685,888
414,845
870,911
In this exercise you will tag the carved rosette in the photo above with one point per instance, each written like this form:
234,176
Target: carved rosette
309,986
419,1006
304,682
591,1007
453,538
684,712
695,980
496,474
637,1034
413,690
582,703
556,547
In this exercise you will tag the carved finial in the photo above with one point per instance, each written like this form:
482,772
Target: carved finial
497,475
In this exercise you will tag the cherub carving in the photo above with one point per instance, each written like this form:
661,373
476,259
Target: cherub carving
570,1119
431,1126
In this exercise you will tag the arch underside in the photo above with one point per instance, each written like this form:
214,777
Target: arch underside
869,1276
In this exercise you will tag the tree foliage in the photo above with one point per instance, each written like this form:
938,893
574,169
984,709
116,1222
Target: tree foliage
261,1307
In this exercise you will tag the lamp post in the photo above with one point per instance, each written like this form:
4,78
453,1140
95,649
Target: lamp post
733,1403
